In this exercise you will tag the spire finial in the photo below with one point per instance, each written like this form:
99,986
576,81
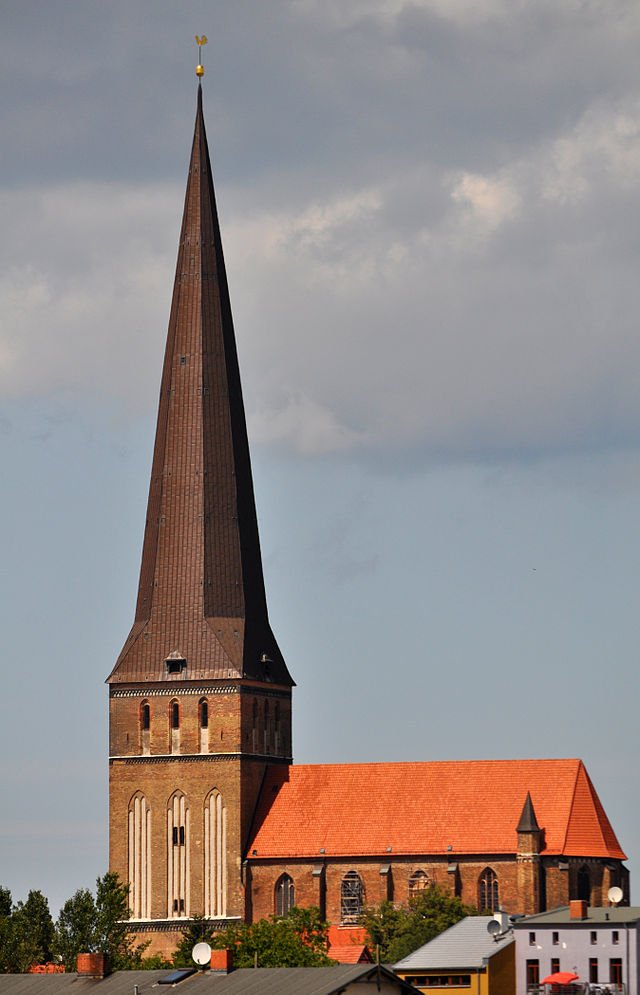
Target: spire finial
200,41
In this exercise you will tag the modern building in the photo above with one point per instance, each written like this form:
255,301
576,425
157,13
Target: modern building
600,945
465,956
208,815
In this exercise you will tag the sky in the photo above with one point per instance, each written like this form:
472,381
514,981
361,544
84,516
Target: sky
431,215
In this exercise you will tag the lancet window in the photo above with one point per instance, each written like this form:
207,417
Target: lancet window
178,856
488,891
285,896
139,817
215,848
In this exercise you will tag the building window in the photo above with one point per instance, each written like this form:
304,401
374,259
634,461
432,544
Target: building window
555,939
174,714
285,896
145,716
532,939
175,664
533,973
488,892
615,971
593,970
139,857
615,937
215,850
593,937
555,965
418,881
204,713
584,884
351,897
177,856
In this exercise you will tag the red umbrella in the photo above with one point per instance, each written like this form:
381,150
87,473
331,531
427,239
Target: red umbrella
560,978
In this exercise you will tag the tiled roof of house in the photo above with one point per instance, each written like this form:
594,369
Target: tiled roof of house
467,944
353,954
441,807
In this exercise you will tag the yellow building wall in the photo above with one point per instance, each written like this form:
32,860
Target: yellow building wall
499,978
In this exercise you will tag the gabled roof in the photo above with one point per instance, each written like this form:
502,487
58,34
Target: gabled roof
441,807
467,944
201,595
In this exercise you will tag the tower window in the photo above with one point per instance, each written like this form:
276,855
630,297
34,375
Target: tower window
175,664
145,716
204,713
174,715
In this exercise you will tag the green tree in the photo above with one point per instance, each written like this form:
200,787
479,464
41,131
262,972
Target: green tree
399,930
75,927
26,932
99,925
300,940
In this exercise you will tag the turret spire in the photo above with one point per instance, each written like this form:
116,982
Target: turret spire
201,597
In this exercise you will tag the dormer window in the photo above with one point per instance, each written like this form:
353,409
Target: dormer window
175,663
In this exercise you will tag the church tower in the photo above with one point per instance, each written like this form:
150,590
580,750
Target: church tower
200,696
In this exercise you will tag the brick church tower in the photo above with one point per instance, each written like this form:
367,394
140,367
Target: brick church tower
200,697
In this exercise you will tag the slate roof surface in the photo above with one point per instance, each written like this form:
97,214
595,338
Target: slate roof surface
596,916
441,807
465,945
260,981
201,594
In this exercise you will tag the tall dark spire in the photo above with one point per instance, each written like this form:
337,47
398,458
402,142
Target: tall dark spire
201,596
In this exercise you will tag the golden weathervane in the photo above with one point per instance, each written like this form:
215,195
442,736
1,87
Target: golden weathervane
200,41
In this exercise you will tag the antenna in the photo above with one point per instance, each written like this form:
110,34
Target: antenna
615,895
201,954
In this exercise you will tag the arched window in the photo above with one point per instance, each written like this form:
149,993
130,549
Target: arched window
174,714
177,856
204,713
215,850
145,727
277,727
584,884
203,722
351,897
174,726
285,896
139,857
145,716
488,892
418,881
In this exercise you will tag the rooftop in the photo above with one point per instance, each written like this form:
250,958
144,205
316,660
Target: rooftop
467,945
595,917
443,807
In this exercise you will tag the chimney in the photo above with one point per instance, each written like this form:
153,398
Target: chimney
222,961
578,909
93,965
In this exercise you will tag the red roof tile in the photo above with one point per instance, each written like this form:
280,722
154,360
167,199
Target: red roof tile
428,808
355,954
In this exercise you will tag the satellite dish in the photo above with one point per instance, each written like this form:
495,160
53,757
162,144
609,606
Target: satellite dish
201,954
615,895
494,927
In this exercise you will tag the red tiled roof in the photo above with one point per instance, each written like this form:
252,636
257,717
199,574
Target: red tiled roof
437,807
355,954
